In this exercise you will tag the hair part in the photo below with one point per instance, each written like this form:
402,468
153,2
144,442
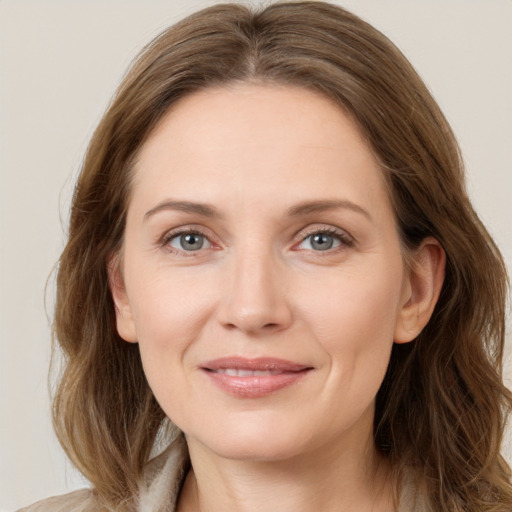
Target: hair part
441,409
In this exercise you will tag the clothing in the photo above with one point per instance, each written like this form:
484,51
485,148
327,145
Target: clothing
159,490
161,486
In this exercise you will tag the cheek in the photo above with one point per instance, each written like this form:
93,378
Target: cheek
167,305
359,301
170,311
355,323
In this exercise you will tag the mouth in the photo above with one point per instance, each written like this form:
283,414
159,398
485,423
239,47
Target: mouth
237,372
253,378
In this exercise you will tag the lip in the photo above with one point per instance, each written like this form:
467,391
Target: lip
253,378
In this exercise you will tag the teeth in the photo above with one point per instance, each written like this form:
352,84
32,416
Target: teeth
234,372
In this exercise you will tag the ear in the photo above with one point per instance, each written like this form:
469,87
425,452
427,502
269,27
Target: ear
124,318
421,290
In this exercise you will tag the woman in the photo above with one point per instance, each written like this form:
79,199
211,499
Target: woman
271,247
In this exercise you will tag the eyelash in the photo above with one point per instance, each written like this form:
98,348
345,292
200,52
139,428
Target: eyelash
342,237
168,237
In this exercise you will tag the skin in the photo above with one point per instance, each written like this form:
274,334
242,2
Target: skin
260,287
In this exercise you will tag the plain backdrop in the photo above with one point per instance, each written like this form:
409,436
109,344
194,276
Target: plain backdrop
59,64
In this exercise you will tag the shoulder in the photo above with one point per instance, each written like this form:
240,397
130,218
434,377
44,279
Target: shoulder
158,490
77,501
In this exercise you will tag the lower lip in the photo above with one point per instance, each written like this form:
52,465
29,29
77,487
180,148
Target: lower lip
255,386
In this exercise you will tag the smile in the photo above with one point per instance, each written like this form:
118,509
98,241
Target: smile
236,372
253,378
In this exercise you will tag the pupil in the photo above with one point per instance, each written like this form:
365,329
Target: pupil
191,241
322,241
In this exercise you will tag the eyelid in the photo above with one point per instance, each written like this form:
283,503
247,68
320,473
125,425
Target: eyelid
346,239
184,230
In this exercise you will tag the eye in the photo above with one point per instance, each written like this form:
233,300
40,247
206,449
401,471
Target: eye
188,241
325,240
320,242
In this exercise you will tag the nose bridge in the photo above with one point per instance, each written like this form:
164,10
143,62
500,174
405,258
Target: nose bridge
255,296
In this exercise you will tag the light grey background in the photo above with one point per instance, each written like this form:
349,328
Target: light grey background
59,64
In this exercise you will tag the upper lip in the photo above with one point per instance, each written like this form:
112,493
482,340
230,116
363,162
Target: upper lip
256,364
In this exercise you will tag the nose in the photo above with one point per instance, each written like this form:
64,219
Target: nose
255,299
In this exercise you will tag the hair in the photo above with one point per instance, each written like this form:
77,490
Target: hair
441,410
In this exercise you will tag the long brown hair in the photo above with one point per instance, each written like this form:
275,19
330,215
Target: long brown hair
442,407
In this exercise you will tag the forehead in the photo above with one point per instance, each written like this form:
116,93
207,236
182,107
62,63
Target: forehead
246,139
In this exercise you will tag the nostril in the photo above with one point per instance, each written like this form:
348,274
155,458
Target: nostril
271,326
262,316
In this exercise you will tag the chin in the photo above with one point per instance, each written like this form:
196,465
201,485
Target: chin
257,441
257,450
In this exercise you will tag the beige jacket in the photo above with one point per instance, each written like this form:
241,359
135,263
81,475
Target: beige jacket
159,492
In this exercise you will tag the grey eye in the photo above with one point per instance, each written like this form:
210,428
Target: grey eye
320,242
189,242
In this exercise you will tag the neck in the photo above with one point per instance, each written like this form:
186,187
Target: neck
344,477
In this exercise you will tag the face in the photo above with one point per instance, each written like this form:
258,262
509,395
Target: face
261,272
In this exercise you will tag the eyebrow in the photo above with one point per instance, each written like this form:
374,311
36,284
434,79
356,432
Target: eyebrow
301,209
309,207
206,210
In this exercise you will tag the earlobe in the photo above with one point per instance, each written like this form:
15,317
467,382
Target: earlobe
421,290
124,318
